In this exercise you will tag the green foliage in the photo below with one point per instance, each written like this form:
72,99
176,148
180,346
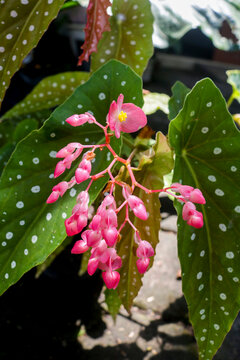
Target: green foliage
47,94
207,146
31,229
154,102
22,24
150,175
179,92
130,38
234,80
113,302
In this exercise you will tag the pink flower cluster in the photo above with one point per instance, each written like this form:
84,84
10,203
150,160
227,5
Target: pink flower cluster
103,232
190,195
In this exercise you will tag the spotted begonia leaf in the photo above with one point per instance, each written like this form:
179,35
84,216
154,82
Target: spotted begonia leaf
22,129
22,24
31,229
234,80
207,147
130,38
97,23
150,175
47,94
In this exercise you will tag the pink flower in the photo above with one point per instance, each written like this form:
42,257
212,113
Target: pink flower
125,117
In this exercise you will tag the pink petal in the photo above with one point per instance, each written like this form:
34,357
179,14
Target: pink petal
136,119
142,265
111,279
79,247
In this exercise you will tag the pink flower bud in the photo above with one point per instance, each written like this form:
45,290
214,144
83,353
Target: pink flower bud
57,190
137,205
93,237
196,220
142,265
140,212
188,210
53,197
111,279
110,235
79,247
95,223
197,197
77,120
71,226
82,222
92,265
81,175
60,168
144,249
85,165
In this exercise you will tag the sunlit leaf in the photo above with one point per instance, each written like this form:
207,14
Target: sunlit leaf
207,146
130,38
154,102
97,23
31,229
234,80
113,302
22,24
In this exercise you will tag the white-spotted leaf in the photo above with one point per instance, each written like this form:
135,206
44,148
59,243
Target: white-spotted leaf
129,38
22,24
207,147
47,94
31,229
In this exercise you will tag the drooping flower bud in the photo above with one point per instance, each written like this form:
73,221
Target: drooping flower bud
57,190
78,120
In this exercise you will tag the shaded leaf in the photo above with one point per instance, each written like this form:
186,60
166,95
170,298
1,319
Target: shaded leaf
130,38
22,24
47,94
14,135
179,92
97,23
154,102
113,302
207,146
149,175
31,229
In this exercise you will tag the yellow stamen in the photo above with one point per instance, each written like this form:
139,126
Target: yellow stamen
122,116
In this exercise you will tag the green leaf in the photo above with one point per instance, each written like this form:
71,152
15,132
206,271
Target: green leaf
47,94
154,102
234,80
207,146
24,128
22,24
12,136
130,38
172,22
179,92
113,302
150,175
31,229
